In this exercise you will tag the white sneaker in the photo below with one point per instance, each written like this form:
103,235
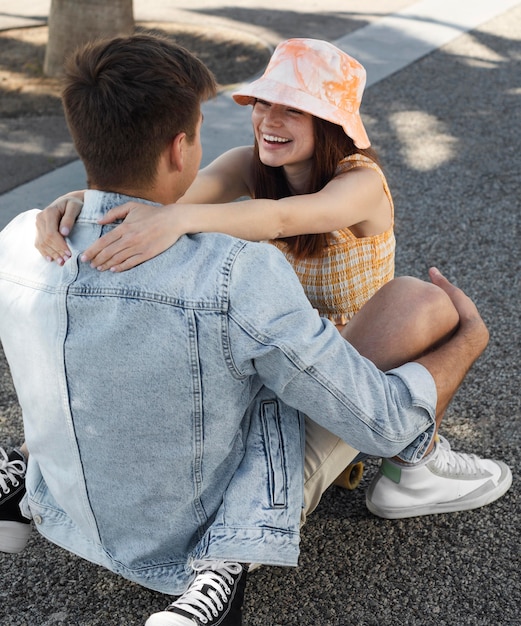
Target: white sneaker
443,482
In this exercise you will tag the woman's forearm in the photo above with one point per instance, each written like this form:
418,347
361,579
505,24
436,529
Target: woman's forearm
254,220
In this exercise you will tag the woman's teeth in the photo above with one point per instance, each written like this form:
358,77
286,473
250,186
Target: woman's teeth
273,139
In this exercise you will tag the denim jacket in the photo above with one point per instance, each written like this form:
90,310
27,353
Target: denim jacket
163,406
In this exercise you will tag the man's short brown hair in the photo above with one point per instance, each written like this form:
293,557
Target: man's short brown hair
125,99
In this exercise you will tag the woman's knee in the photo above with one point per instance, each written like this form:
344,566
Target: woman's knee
427,301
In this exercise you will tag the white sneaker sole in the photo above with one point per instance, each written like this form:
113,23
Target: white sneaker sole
14,536
164,618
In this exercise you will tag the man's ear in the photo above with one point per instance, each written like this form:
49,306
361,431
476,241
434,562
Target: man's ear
177,151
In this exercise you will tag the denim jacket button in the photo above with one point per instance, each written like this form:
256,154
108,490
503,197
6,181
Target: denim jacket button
37,519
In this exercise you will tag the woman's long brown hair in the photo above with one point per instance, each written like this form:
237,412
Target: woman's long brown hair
331,146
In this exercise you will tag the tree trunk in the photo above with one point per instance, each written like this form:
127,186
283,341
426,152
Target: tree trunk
74,22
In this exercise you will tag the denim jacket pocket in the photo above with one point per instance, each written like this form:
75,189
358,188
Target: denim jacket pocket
275,457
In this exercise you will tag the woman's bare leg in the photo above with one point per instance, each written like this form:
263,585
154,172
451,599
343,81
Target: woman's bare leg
406,318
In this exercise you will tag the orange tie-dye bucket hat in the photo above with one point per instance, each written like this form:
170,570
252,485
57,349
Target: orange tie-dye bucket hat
316,77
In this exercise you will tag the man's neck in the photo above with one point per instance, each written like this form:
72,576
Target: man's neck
149,194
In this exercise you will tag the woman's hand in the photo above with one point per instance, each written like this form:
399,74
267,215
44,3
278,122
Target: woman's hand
54,223
146,232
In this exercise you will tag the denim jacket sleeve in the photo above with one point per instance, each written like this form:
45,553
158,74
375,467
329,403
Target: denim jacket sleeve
275,334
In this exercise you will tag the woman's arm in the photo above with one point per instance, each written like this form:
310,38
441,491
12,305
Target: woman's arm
355,197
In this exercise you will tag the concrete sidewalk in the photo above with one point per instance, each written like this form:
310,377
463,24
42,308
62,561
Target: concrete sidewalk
442,109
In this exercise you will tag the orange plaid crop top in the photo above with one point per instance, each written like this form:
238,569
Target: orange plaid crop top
350,269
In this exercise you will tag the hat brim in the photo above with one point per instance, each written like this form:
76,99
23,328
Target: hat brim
279,93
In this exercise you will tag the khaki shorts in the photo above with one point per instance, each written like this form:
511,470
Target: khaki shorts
326,458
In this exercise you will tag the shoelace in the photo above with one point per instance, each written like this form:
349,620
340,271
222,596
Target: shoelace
458,461
217,576
9,470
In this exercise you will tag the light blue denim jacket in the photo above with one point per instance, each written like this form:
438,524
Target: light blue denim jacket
163,406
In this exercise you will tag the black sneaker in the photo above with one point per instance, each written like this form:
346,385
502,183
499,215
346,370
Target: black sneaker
14,527
213,599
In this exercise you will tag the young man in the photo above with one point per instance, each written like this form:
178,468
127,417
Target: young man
154,399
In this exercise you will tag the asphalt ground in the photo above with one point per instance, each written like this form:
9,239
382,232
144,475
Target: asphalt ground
447,130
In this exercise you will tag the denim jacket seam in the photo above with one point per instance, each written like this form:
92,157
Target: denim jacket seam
225,327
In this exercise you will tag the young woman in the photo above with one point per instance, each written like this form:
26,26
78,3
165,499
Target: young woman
319,193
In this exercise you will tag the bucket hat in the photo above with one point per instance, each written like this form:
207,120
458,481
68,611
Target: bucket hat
316,77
